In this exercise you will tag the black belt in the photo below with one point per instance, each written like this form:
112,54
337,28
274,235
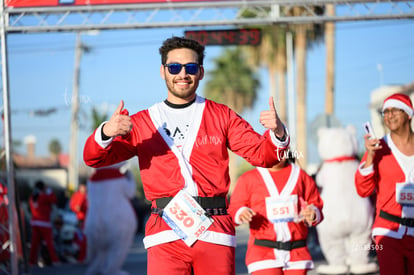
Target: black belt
280,245
212,205
404,221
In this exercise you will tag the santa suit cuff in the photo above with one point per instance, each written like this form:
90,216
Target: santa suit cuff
277,142
238,213
98,137
367,170
318,217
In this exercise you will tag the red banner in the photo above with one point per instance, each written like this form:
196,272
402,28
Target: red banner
55,3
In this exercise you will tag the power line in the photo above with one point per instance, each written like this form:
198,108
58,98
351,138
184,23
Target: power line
29,49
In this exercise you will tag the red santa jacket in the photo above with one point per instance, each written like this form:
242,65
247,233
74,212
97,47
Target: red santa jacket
218,129
41,208
79,205
251,191
381,180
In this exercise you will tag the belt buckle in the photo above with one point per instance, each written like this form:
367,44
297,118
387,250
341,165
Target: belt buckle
408,222
285,246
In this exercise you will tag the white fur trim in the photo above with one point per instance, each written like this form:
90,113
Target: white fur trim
160,238
98,137
277,142
364,268
318,214
367,170
300,265
41,223
410,231
238,213
170,236
332,269
218,238
380,231
398,104
267,264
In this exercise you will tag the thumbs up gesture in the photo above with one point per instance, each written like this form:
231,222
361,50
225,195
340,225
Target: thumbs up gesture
270,120
120,123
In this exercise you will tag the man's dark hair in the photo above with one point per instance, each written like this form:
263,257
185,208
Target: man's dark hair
179,43
38,188
40,185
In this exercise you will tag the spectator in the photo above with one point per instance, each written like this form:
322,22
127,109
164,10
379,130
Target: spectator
41,204
79,204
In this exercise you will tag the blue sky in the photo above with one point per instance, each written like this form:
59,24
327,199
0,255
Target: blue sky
125,65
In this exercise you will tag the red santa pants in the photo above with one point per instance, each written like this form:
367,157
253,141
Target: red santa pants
176,258
40,233
395,256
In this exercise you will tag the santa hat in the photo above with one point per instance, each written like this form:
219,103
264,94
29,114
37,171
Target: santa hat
400,101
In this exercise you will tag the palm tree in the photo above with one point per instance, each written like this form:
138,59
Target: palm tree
234,83
55,148
271,53
305,35
97,118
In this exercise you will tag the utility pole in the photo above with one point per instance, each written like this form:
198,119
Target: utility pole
74,122
291,90
330,61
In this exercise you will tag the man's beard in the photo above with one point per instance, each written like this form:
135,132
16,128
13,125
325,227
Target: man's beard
182,93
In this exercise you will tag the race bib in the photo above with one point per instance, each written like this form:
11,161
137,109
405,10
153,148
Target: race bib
186,217
404,193
282,210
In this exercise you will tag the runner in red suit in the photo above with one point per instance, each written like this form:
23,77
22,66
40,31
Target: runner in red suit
41,203
386,170
79,204
279,204
182,147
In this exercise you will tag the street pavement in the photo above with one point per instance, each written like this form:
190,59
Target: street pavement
136,262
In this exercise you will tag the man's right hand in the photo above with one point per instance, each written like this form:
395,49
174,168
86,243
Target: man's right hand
120,123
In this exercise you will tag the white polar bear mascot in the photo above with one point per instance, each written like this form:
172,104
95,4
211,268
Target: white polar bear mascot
345,233
111,222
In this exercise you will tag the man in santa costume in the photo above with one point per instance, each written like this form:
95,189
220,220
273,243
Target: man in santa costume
279,203
387,170
182,146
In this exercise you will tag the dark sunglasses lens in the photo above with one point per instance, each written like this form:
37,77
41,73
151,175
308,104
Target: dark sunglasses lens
191,68
174,68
